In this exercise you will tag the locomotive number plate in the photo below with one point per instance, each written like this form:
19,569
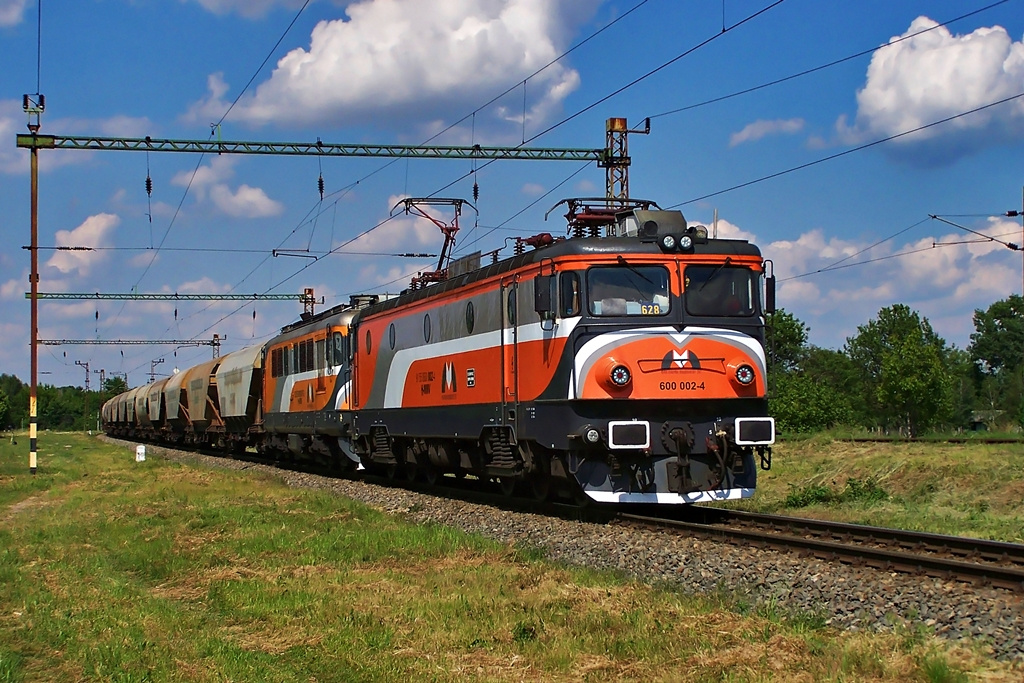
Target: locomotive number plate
681,386
650,309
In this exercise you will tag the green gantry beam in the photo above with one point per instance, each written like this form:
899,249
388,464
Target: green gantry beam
131,342
311,148
168,297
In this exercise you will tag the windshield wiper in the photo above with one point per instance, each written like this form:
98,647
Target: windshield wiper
633,269
728,260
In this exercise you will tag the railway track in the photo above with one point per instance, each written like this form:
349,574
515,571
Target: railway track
988,563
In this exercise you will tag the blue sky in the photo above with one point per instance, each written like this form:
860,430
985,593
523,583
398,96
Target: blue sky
401,71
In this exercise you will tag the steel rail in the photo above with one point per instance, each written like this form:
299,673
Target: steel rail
851,551
992,551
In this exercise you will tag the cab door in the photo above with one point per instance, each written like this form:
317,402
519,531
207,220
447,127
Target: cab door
509,349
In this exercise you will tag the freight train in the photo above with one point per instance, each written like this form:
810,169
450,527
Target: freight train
624,363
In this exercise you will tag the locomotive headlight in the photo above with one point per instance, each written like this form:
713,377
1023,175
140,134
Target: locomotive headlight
615,377
591,435
685,242
620,375
667,242
744,374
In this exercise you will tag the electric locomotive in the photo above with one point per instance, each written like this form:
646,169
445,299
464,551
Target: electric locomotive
624,367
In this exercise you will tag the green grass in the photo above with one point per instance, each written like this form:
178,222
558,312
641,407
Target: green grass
112,570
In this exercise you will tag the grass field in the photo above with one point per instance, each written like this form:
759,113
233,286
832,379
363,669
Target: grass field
112,570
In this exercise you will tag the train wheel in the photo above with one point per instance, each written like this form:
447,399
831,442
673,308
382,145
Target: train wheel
430,474
409,466
508,485
579,498
540,486
392,471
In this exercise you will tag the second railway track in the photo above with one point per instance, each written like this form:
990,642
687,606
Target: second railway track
990,563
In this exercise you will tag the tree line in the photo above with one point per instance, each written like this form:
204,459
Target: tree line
897,376
59,408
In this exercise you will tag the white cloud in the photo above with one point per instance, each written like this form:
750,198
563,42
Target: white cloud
403,60
250,9
937,275
220,169
144,260
586,187
533,189
936,75
245,202
95,231
12,11
12,289
762,128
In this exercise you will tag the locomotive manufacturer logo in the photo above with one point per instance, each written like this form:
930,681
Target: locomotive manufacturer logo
680,359
448,379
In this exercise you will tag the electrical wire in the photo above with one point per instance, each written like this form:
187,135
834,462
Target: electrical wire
882,241
822,67
650,73
1009,245
848,151
837,265
264,62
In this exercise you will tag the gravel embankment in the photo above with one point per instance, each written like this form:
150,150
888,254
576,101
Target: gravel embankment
848,597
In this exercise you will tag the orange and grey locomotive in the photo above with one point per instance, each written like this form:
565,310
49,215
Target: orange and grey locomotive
625,364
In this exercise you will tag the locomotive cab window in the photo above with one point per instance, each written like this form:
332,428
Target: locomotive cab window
720,290
568,294
628,290
340,353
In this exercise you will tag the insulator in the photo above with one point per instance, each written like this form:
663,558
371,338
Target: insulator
595,230
476,192
320,184
24,102
175,313
42,102
149,186
519,247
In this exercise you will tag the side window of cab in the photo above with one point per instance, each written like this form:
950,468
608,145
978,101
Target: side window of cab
568,294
